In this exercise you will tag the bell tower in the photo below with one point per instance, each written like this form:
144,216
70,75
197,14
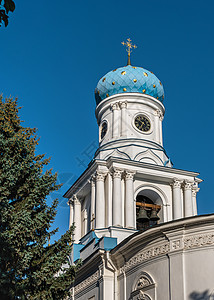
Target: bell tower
130,184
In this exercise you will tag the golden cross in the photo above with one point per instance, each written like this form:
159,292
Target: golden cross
92,220
129,46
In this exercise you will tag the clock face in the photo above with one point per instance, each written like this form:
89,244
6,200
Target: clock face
142,123
103,130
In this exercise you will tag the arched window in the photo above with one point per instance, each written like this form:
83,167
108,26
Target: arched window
146,212
143,288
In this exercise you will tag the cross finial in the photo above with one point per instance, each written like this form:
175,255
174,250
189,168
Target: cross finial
129,46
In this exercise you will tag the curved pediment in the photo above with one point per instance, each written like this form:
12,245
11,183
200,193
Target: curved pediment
148,156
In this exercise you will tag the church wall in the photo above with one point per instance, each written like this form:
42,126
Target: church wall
158,270
133,111
199,272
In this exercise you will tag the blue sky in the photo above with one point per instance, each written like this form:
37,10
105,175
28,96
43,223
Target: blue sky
54,52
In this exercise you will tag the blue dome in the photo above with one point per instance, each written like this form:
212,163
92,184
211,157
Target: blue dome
129,79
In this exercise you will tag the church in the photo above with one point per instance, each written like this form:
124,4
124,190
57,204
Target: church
137,231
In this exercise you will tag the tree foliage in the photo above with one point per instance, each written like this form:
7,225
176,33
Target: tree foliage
6,6
29,267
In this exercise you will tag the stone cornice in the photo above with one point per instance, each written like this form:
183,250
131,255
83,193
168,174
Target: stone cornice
148,166
184,243
165,230
85,176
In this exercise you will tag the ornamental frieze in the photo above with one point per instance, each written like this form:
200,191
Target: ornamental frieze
196,241
90,280
185,243
145,255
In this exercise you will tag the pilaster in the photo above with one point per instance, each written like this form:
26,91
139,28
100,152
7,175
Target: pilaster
71,217
188,207
92,181
123,106
176,199
195,190
117,199
77,219
100,200
115,120
158,127
129,200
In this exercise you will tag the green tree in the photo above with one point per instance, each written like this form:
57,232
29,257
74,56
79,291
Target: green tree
29,267
6,6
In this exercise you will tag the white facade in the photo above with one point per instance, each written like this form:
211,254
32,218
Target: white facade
123,139
173,260
129,163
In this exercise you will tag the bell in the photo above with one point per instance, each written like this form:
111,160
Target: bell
142,216
154,215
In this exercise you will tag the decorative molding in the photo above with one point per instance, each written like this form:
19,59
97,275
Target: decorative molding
70,202
175,245
142,282
145,255
92,180
123,104
129,175
197,241
195,191
76,201
84,284
117,173
100,176
176,183
187,185
194,241
115,106
159,113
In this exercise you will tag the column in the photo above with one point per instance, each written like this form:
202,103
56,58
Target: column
156,126
100,201
159,126
77,219
85,219
71,217
176,199
92,181
117,200
115,120
109,199
123,106
188,207
129,200
195,190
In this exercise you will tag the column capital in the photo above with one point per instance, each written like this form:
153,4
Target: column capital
117,173
100,176
195,191
187,185
115,106
92,180
123,104
129,175
176,183
70,201
159,113
76,200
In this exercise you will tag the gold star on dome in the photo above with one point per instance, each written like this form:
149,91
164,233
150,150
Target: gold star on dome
129,46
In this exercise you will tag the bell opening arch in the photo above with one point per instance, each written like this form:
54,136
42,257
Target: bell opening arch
151,202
